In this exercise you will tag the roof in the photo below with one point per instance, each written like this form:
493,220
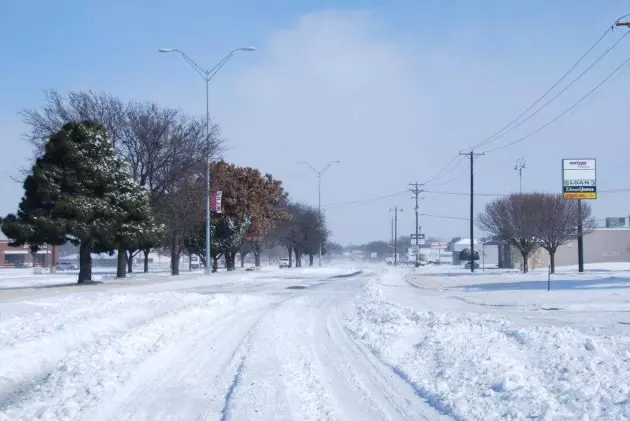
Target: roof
466,241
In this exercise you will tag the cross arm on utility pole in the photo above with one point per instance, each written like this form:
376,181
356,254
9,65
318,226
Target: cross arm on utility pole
626,24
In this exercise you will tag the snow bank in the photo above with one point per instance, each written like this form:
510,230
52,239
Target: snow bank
480,367
62,356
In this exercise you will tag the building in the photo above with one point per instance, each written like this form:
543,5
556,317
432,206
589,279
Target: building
603,245
20,257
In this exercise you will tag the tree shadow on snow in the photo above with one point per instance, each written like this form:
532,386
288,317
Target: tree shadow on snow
46,286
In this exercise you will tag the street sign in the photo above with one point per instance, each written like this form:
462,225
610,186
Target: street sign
579,179
420,236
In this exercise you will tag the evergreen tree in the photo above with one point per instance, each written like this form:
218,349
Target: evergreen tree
78,191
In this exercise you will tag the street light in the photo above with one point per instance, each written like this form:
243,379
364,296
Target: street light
319,195
207,75
520,166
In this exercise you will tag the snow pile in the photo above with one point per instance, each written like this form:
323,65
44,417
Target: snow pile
480,367
62,357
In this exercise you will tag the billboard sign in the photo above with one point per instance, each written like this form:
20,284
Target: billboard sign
615,222
439,245
579,179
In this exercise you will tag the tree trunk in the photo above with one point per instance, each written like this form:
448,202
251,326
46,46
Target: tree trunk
230,261
174,255
525,263
130,257
85,261
290,256
242,256
257,255
215,264
121,263
146,260
552,261
298,257
310,259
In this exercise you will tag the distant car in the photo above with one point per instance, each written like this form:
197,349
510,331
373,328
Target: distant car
67,266
284,262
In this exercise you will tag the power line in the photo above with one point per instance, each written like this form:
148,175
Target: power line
526,119
341,205
363,201
444,216
609,29
503,131
452,179
443,170
565,112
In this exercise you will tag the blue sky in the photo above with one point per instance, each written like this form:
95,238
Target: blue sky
392,89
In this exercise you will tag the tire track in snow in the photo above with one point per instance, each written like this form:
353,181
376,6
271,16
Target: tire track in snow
95,371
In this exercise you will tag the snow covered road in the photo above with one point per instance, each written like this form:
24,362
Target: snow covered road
353,343
268,349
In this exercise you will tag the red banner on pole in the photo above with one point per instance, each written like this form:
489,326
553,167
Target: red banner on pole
215,202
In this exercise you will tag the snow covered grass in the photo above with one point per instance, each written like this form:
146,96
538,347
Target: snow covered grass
488,365
28,278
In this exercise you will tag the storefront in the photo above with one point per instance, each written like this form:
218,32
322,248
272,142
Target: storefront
21,257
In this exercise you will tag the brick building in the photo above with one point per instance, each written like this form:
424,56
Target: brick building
22,256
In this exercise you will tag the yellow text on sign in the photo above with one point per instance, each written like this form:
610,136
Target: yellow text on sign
587,196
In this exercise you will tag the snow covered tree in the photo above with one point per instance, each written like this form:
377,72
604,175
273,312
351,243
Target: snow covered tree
78,191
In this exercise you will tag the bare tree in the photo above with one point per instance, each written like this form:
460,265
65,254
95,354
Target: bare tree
513,219
558,220
101,108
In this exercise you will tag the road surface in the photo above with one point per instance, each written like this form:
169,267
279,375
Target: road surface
269,347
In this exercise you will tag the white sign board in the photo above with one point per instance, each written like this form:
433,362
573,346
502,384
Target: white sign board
579,179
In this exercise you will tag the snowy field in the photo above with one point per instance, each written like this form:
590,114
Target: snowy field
353,342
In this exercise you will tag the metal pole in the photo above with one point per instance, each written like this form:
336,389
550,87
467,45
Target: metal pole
472,211
319,196
520,180
580,238
207,75
417,233
396,236
208,182
319,207
392,229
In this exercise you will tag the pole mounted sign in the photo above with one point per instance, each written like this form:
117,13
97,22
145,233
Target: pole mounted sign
579,179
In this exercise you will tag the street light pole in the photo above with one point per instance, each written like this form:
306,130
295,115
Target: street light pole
319,196
207,76
520,166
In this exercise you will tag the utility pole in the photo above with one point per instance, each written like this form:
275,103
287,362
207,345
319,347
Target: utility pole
520,166
580,238
471,155
396,210
416,190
